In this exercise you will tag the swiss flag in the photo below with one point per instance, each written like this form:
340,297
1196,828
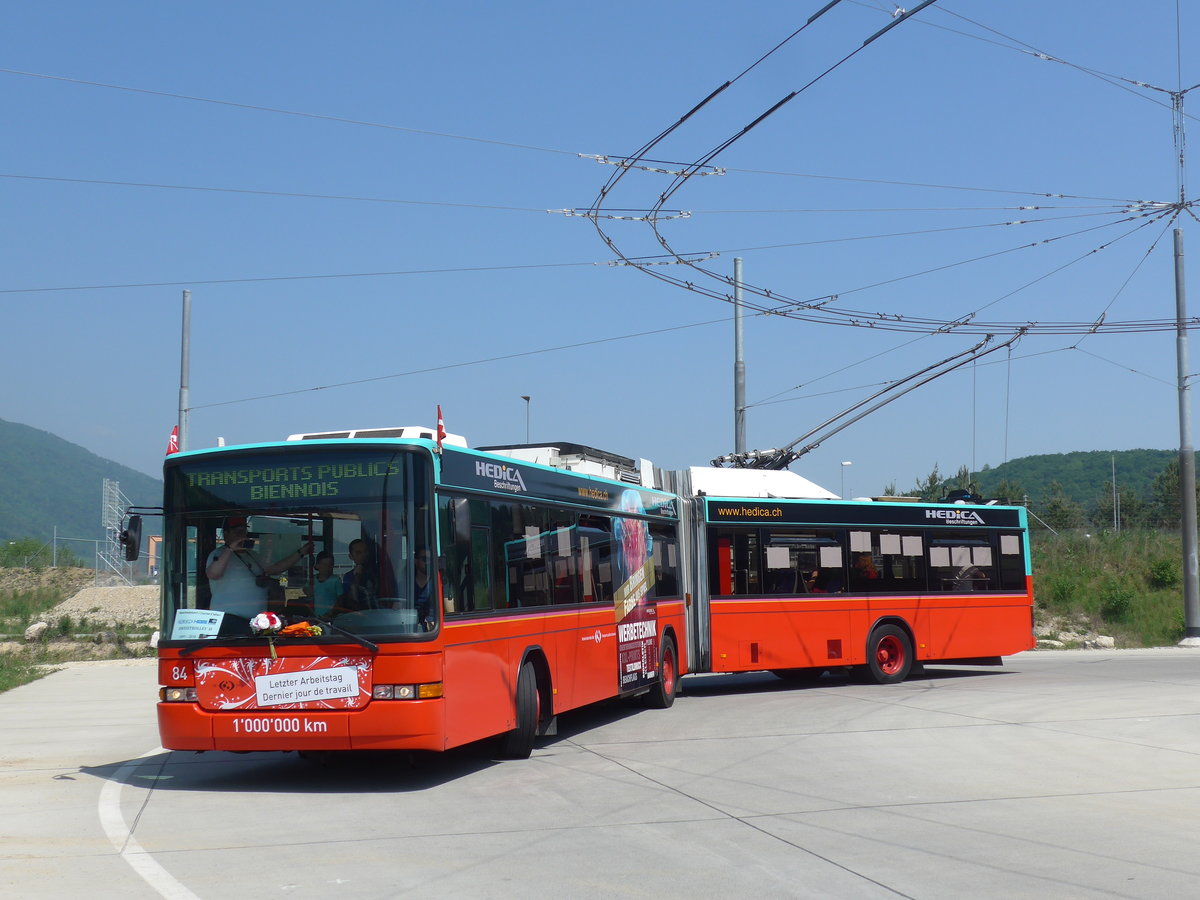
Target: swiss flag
441,432
173,442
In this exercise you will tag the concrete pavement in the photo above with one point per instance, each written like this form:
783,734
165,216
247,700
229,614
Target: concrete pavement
1064,774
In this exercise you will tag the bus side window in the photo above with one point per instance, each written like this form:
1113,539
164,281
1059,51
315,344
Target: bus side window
562,561
962,562
594,552
886,560
466,586
477,575
780,562
666,561
734,562
1011,568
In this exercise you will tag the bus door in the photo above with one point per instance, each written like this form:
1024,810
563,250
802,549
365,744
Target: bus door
477,661
596,644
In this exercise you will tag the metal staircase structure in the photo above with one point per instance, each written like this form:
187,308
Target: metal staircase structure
110,556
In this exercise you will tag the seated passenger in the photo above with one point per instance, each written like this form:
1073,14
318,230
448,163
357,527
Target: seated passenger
969,578
863,571
326,587
360,586
828,581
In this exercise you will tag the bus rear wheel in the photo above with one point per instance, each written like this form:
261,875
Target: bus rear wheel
889,654
518,743
662,695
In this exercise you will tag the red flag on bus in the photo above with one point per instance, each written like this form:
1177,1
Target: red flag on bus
441,431
173,442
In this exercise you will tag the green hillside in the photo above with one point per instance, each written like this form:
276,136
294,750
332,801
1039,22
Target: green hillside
1085,475
1095,489
47,482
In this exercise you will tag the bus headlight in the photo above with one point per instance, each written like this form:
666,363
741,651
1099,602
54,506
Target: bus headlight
178,695
406,691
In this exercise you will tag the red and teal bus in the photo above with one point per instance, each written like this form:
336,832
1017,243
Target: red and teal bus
800,585
551,590
467,594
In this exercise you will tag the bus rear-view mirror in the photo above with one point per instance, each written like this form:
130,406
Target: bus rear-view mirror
131,538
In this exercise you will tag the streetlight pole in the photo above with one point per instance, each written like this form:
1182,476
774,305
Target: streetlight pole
525,397
1187,457
185,362
739,363
845,463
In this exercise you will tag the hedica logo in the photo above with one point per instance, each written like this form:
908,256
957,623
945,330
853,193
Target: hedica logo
956,516
505,478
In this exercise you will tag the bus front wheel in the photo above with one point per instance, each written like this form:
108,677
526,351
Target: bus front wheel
518,743
889,654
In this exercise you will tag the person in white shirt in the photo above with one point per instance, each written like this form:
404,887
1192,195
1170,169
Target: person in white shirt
234,571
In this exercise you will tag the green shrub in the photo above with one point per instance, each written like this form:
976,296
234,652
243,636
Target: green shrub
1116,603
1165,573
1061,590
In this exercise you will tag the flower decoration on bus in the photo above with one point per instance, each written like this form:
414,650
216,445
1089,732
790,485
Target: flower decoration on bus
266,623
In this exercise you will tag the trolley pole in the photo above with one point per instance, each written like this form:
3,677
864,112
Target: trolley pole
739,364
1187,457
185,352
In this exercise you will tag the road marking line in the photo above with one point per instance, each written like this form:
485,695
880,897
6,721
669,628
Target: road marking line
123,840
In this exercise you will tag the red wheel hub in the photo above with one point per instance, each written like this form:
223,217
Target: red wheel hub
889,655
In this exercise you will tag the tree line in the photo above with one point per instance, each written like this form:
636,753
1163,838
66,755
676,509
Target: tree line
1158,507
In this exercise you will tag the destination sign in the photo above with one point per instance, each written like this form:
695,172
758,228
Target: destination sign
266,479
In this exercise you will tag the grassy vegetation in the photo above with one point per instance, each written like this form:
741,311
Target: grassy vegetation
1128,585
60,643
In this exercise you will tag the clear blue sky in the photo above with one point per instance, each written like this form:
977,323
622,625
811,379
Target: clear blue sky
436,135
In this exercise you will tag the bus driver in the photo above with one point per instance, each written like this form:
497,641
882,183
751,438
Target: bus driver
234,572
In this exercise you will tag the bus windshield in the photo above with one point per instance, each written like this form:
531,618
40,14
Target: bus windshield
343,535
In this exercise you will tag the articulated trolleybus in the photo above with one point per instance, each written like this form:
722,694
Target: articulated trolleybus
384,590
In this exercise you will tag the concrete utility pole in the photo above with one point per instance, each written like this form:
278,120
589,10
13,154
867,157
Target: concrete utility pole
185,353
739,364
1187,456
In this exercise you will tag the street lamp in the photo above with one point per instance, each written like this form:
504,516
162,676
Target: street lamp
525,397
845,463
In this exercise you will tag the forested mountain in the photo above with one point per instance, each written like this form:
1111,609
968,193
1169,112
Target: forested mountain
1084,489
1085,475
47,482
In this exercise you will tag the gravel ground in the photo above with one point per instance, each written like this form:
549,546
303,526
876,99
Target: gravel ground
112,606
103,607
